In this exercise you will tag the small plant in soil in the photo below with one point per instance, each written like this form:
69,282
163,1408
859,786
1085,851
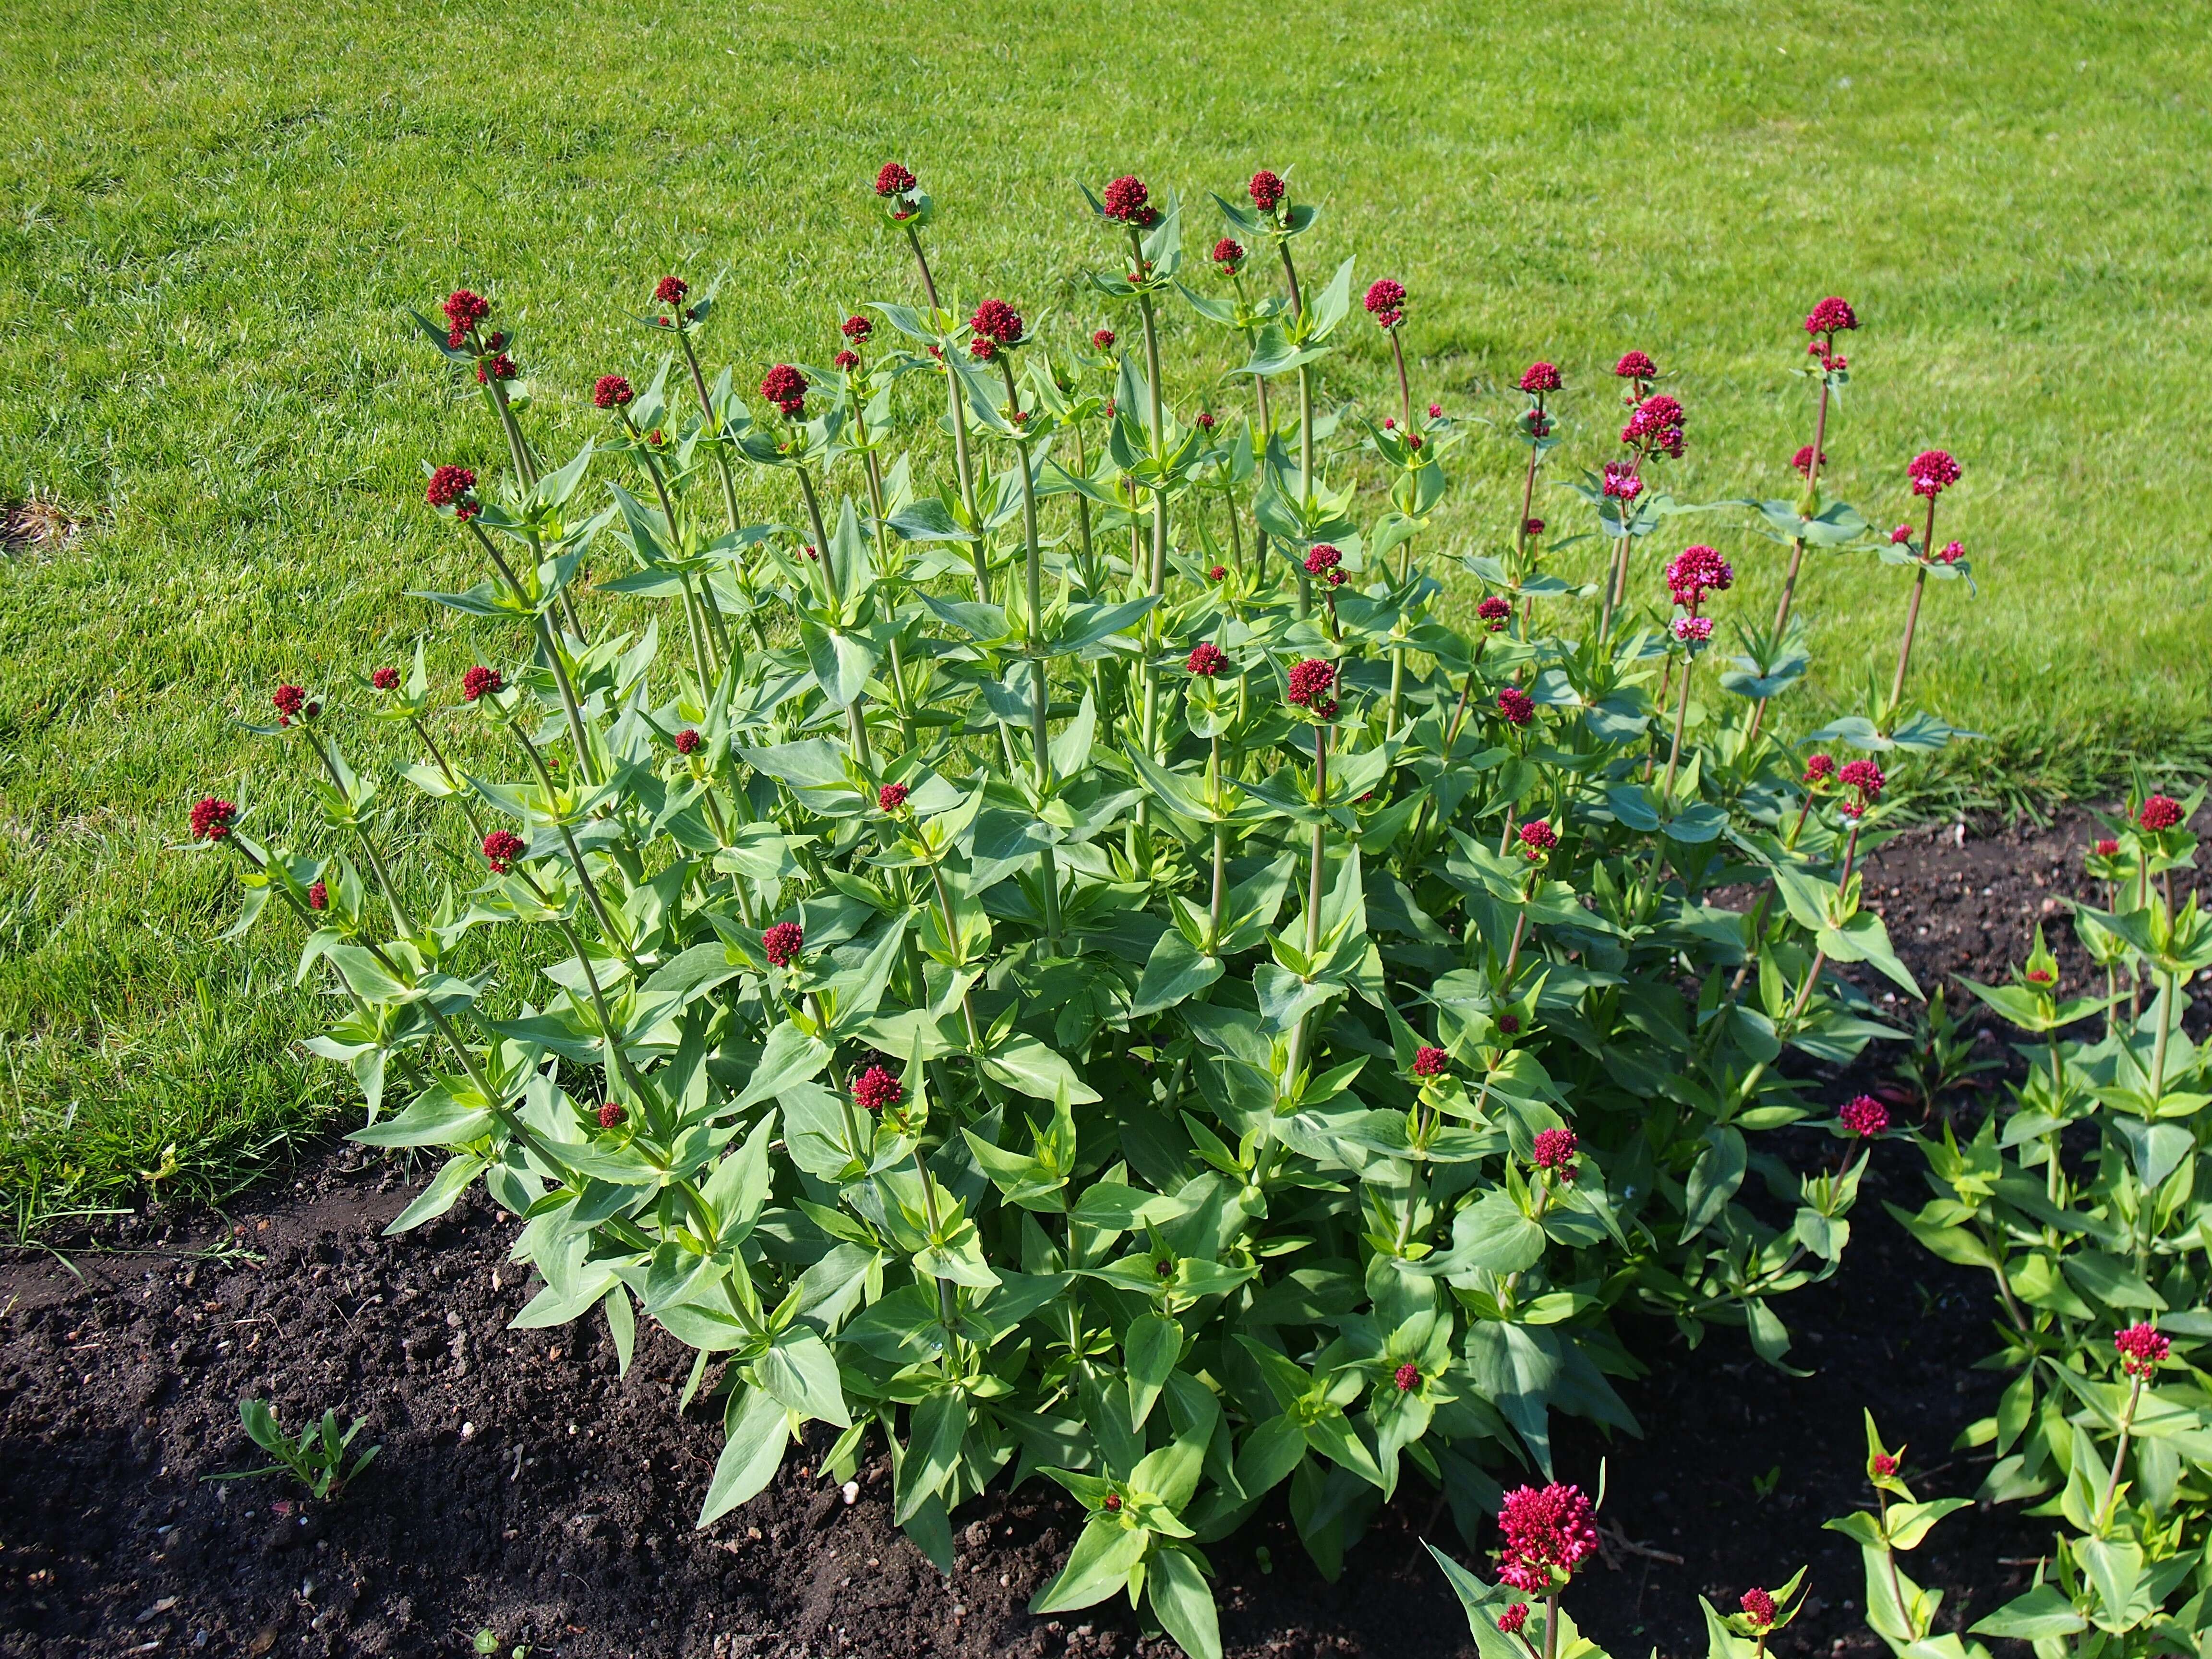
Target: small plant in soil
1899,1611
1052,948
316,1459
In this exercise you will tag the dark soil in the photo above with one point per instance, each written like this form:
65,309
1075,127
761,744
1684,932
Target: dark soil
526,1489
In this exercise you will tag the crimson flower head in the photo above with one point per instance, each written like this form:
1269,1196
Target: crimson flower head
1758,1606
2041,977
1656,423
1621,482
1322,557
876,1088
1555,1151
611,392
1884,1466
670,290
501,368
1540,378
1509,1024
1512,1620
1495,612
1549,1531
479,680
1694,629
998,322
1865,777
1310,682
1932,472
319,896
1406,1377
2107,847
1219,574
1430,1062
501,849
1635,366
1819,769
892,797
1207,659
893,180
1517,706
1537,838
464,311
289,700
687,741
782,943
846,359
612,1112
1864,1116
1532,526
385,679
1386,302
1950,553
1901,535
1436,412
1831,316
856,329
212,818
1129,201
1802,460
1267,190
1229,255
2159,812
449,484
2141,1347
1696,571
785,387
1103,339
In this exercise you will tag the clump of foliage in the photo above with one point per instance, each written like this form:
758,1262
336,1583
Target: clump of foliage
1061,956
316,1459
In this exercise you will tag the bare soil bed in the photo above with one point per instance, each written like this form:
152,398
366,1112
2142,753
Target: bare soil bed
525,1488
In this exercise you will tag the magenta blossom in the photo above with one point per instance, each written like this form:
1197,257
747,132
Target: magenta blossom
1635,366
1537,838
1430,1062
1831,316
1621,484
1205,660
1932,472
480,681
1495,612
1758,1606
501,849
892,797
1819,769
1548,1533
1512,1620
212,818
2141,1348
1517,706
1696,570
1864,1116
2159,813
1802,460
1407,1376
1540,378
1555,1151
1386,302
876,1088
1697,629
783,943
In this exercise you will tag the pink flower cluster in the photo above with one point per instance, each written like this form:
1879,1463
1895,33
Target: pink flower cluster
1694,629
995,325
1537,838
1555,1151
212,818
1932,472
1802,460
1864,1116
1205,660
2141,1347
876,1088
783,943
1696,570
1515,706
1864,779
611,392
785,387
1621,482
1311,683
1322,560
1654,426
1635,366
1430,1062
892,797
501,849
1540,378
1129,201
2159,812
1494,612
1386,302
1549,1531
480,682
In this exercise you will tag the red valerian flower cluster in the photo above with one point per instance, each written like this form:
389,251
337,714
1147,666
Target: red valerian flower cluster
1932,472
1309,684
611,392
1129,201
858,329
1517,706
1321,559
1430,1062
2141,1347
1386,302
2107,847
386,679
1819,769
1205,660
893,180
995,325
1621,484
612,1114
290,701
2159,812
501,849
846,359
892,797
1696,571
1635,366
212,818
785,387
1549,1532
1902,534
1514,1618
1802,460
1494,612
1229,255
1406,1377
1509,1024
1267,190
1758,1606
1555,1151
782,944
1864,779
1883,1465
319,896
670,290
2041,977
876,1088
1655,424
1537,838
1532,526
1102,339
1540,378
464,311
1219,574
1950,553
480,680
687,741
1831,316
501,368
1694,629
1864,1116
450,485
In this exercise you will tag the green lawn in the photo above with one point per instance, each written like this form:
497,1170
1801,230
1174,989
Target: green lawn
217,213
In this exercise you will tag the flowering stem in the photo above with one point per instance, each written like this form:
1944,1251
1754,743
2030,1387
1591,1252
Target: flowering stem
1513,954
1812,484
1681,719
575,856
2119,1456
928,283
714,427
1405,393
964,465
1912,610
884,562
399,913
517,444
1850,855
1305,474
1220,845
2171,994
569,708
1551,1626
856,719
1040,689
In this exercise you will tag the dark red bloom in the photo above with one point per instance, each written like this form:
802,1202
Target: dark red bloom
1113,1502
2041,977
1696,570
1548,1531
1901,535
1103,339
1950,553
1819,769
1515,706
1539,378
785,387
876,1088
612,1112
611,392
1436,412
1406,1377
385,679
846,359
501,368
1228,255
670,290
687,741
2107,847
2141,1347
289,700
892,797
1864,1116
893,180
1802,460
782,943
1621,482
998,322
501,847
449,484
1656,423
464,311
1322,557
1758,1606
1532,526
1495,612
1220,573
1129,200
212,818
319,897
1206,421
1386,302
1932,472
1883,1464
1267,190
1865,776
1207,659
1310,683
479,680
1509,1024
2159,812
1700,628
1537,838
1555,1151
1513,1618
1831,316
1430,1062
1635,366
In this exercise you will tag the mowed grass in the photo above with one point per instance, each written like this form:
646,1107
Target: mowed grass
216,214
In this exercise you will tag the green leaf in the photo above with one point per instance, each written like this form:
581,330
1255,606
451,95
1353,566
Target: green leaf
1153,1347
757,1435
1177,970
1099,1564
940,1423
441,1195
2044,1611
1183,1600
